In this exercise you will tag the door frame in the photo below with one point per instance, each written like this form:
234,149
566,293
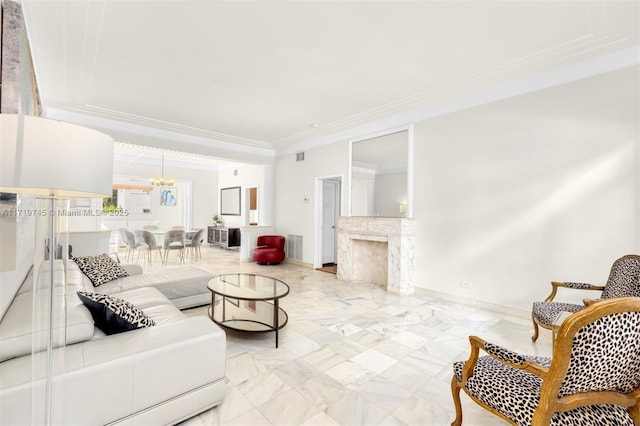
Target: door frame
318,216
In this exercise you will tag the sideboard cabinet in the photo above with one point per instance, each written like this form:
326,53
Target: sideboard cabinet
223,237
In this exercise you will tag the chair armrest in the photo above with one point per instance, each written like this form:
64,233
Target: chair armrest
501,354
575,286
132,268
583,286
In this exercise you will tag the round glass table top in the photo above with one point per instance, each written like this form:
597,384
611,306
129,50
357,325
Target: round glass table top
248,286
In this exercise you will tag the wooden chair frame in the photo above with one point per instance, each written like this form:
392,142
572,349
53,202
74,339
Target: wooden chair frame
553,376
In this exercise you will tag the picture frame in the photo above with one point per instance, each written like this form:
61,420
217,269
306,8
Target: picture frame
169,197
230,201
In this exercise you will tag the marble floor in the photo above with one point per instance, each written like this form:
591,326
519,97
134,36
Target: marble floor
353,354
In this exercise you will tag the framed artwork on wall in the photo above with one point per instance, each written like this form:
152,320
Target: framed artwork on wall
168,197
230,201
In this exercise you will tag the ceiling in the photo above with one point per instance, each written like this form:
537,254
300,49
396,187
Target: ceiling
267,75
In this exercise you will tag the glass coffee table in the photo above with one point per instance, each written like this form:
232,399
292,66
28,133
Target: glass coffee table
248,302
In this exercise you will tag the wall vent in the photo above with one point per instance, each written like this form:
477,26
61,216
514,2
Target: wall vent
294,247
300,156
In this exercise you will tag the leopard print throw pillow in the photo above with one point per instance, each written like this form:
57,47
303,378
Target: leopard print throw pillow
100,269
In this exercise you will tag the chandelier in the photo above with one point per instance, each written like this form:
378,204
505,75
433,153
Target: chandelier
161,181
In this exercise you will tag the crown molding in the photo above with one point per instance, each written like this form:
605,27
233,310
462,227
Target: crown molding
189,136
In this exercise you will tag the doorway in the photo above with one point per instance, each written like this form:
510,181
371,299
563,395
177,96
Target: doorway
251,206
328,206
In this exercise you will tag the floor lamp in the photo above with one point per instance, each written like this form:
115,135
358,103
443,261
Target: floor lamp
52,160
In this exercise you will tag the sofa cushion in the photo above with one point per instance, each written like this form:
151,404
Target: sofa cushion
24,328
174,283
113,315
100,269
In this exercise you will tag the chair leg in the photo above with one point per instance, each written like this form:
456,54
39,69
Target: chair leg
455,392
634,411
535,329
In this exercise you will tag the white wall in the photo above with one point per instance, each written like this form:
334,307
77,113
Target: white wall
294,190
203,185
509,195
248,175
540,187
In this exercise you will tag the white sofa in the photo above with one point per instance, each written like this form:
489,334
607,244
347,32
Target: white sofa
157,375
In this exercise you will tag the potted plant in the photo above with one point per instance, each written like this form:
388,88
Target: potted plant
217,220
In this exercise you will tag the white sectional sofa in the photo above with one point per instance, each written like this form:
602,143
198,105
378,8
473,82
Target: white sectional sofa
156,375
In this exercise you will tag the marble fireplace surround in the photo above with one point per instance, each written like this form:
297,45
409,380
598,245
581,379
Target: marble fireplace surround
399,235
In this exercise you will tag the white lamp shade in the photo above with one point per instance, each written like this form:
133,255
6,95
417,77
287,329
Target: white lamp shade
40,156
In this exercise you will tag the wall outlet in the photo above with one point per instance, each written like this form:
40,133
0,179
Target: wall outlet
466,284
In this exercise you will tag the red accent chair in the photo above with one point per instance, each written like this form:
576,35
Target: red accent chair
270,250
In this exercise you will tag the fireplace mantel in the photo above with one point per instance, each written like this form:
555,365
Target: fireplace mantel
399,236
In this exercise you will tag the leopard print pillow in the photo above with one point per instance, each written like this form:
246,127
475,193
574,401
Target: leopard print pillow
113,315
100,269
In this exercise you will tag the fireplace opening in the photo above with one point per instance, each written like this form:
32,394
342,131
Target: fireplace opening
370,261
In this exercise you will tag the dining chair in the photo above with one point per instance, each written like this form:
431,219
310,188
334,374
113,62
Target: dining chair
130,241
174,239
195,243
148,245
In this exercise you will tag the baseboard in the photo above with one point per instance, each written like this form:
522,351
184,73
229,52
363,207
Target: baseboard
300,263
501,309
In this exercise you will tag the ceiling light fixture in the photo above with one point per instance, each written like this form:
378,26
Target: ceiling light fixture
161,181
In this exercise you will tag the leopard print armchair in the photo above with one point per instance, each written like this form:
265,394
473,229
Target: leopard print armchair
592,378
624,280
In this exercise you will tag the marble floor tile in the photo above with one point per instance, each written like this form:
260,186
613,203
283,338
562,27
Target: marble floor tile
354,409
253,417
324,358
410,339
263,388
374,361
320,419
289,408
322,391
301,346
384,393
353,354
296,372
350,374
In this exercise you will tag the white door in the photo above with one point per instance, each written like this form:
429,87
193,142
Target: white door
330,206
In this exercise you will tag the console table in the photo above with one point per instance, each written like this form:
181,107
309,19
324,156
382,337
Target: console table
223,237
